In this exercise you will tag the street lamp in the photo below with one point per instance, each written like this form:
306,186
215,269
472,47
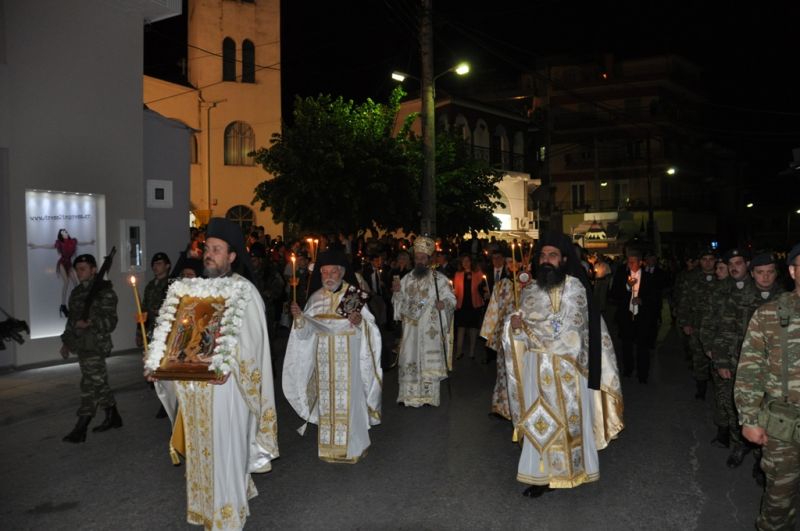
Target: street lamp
427,94
671,171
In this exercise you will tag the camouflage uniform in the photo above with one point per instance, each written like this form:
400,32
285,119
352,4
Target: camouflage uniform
735,304
154,293
696,310
92,344
678,296
759,379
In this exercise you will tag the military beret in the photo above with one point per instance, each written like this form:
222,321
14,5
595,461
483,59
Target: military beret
85,258
793,254
160,256
733,253
762,259
708,251
257,250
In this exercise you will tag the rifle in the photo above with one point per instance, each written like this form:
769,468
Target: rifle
11,329
441,333
98,283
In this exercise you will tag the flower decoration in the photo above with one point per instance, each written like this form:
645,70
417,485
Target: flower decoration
236,294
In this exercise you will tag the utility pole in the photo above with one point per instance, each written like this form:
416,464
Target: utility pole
428,221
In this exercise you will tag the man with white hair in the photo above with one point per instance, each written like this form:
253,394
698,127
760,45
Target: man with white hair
332,373
425,302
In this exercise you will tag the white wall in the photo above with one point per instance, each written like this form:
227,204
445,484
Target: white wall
166,158
73,122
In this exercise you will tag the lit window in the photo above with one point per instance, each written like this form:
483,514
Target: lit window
240,141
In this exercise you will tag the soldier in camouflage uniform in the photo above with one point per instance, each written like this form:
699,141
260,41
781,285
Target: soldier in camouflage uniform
767,389
90,340
154,293
737,300
695,318
678,293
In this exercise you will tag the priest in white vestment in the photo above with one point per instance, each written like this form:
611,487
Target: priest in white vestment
501,305
564,389
229,425
332,372
424,301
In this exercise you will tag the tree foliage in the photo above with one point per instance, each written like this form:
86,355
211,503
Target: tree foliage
339,167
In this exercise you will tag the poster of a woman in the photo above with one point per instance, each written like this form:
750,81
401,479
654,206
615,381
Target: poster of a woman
66,246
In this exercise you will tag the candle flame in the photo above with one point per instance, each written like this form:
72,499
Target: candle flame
133,280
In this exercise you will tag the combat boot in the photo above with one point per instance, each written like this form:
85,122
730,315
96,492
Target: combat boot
722,439
702,385
78,433
112,420
737,456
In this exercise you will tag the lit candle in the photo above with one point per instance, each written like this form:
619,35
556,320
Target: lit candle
514,275
294,280
139,311
316,248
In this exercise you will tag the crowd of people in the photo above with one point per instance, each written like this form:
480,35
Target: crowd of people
352,307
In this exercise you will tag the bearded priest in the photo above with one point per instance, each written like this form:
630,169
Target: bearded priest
226,428
425,302
332,372
563,383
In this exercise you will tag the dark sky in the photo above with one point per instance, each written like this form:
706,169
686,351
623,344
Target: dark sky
749,54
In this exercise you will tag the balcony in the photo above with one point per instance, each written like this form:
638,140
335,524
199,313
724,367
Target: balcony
501,160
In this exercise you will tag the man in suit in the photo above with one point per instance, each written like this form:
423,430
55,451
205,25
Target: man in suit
658,279
636,297
498,270
377,279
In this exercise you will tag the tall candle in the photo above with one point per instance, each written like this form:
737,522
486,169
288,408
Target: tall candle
139,311
514,273
294,280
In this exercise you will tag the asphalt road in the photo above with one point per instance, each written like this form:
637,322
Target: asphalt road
451,467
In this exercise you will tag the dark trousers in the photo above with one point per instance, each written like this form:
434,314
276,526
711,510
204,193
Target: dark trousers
635,357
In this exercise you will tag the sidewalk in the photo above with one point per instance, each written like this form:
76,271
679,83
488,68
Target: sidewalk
29,393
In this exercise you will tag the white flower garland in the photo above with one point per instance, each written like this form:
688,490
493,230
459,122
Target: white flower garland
236,294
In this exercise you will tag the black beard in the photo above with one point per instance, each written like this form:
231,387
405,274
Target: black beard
549,277
420,270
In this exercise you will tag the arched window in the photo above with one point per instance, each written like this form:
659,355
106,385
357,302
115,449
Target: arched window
228,60
239,142
242,216
193,148
248,62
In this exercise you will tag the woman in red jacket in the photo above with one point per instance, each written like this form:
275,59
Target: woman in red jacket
468,285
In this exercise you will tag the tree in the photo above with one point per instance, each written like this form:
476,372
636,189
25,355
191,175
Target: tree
339,167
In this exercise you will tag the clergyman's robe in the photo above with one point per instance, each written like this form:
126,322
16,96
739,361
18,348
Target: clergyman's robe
562,421
501,305
230,430
426,347
332,376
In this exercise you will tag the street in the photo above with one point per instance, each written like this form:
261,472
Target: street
451,467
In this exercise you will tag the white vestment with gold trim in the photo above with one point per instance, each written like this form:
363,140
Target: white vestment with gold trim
231,430
563,423
426,348
332,375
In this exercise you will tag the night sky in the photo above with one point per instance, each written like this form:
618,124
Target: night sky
748,53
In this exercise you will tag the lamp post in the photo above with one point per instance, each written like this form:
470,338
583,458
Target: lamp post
427,96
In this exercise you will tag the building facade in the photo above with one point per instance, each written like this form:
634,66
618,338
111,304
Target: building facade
232,98
498,137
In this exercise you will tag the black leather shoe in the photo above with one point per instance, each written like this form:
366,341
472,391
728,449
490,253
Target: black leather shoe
112,420
737,456
536,491
78,433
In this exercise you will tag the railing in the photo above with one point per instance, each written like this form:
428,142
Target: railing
503,160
